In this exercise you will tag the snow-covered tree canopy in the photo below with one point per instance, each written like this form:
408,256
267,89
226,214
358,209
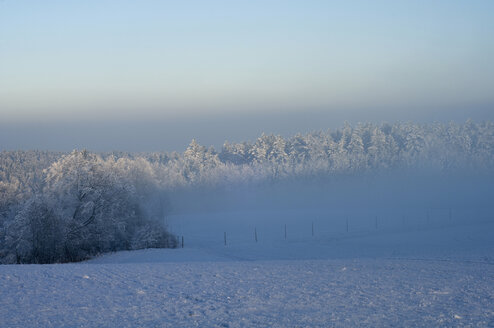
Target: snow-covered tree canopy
57,207
85,205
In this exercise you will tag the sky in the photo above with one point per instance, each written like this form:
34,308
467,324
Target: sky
151,75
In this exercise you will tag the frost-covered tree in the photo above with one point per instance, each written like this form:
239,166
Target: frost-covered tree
87,207
34,235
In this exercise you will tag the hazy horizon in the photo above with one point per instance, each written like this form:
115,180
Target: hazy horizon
174,134
152,75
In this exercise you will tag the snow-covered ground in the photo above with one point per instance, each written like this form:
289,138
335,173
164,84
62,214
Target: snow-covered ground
438,271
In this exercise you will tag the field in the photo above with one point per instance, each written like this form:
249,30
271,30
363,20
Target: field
438,271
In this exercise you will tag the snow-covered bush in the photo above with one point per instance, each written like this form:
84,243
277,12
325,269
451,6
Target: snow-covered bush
86,207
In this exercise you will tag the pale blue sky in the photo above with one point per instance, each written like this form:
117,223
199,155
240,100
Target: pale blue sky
99,60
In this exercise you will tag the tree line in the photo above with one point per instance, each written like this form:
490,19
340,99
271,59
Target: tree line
62,207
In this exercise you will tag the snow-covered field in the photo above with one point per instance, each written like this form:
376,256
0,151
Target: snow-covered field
438,273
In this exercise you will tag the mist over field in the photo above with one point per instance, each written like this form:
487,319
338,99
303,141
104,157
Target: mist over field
396,189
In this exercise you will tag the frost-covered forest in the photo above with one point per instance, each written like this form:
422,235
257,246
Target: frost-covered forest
64,207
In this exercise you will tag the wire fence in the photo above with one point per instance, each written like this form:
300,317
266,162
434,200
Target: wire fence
230,228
